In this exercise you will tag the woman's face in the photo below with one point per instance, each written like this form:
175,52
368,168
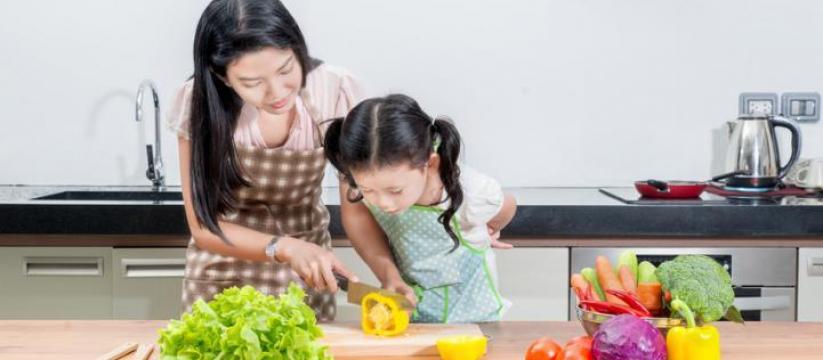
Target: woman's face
394,189
269,79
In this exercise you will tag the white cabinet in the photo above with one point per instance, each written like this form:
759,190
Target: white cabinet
90,282
148,283
535,280
810,284
55,283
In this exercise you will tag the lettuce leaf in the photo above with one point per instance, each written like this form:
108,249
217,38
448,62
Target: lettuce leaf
245,324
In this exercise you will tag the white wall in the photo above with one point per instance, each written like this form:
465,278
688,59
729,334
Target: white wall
546,93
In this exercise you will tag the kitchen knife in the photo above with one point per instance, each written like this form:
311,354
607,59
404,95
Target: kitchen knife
355,291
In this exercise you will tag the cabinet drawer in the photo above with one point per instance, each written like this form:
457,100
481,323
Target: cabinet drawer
55,283
810,284
148,283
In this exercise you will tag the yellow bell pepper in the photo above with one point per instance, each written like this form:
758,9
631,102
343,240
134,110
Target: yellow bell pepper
381,315
461,347
692,343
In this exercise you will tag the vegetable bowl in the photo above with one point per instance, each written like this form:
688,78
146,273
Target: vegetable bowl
591,320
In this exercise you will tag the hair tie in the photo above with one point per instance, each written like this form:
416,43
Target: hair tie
435,136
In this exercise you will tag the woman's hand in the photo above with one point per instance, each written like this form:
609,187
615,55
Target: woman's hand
315,265
399,286
495,236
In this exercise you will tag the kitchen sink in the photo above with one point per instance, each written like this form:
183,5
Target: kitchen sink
114,196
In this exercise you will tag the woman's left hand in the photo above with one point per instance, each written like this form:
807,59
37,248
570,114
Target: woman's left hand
495,236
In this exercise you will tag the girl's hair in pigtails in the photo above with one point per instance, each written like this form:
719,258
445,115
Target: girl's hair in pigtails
394,130
446,141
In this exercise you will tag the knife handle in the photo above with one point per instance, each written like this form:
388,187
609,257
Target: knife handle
342,281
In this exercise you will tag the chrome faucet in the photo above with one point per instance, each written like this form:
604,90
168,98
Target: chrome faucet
155,172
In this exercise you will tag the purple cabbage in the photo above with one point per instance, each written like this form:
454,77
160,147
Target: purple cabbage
626,337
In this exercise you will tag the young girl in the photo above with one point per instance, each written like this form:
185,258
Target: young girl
439,219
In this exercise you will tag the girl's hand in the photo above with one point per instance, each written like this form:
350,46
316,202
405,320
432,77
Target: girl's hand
495,236
314,264
399,286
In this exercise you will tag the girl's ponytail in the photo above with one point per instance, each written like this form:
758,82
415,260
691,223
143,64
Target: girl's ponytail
446,142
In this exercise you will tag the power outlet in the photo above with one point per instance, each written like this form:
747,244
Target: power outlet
801,106
758,103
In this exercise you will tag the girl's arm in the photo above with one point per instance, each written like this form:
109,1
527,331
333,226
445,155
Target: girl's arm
313,263
503,217
371,244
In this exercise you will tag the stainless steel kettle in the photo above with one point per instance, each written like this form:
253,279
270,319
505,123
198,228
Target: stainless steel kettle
753,158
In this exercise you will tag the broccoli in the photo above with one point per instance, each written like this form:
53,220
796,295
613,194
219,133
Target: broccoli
700,282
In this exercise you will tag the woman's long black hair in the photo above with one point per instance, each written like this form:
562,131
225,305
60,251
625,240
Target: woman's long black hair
394,130
227,30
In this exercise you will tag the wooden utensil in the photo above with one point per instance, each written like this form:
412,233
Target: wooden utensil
119,351
143,352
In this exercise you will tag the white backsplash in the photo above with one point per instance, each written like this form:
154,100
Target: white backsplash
546,93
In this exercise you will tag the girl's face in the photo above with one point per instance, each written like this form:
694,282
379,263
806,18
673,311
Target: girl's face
394,189
269,79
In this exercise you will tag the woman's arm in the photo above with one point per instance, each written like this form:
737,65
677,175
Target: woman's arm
313,263
371,244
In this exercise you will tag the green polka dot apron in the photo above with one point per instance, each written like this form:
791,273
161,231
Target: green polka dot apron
453,285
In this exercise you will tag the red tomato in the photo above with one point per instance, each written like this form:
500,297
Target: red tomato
578,348
577,352
583,340
544,348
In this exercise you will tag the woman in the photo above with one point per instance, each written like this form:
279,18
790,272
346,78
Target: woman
251,156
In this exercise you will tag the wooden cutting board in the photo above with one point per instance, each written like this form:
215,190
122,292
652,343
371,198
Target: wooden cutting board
347,340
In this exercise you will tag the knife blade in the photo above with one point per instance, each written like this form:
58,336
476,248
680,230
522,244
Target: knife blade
355,291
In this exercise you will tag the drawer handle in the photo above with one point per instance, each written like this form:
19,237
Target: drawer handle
62,266
815,266
153,268
762,303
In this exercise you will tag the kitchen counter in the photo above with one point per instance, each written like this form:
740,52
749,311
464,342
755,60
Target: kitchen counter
81,339
543,213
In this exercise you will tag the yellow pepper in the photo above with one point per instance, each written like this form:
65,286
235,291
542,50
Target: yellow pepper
692,343
381,315
461,347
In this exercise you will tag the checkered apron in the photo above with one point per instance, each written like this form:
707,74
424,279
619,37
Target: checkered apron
283,199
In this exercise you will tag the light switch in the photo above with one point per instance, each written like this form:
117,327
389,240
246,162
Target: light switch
758,103
801,106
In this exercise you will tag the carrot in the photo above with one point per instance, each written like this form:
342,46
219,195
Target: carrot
607,278
578,282
650,295
628,280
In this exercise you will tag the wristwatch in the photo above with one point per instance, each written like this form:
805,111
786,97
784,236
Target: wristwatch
271,248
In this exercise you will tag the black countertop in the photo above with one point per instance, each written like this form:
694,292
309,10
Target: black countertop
542,213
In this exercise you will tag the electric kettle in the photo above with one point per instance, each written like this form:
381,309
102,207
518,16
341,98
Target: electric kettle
753,157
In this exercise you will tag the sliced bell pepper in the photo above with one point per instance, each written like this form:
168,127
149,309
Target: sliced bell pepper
461,347
691,342
382,316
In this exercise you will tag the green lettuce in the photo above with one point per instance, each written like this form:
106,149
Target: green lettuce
245,324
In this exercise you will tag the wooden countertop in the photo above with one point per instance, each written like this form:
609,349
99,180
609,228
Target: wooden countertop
87,339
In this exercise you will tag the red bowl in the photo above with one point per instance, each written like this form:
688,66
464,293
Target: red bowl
675,189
